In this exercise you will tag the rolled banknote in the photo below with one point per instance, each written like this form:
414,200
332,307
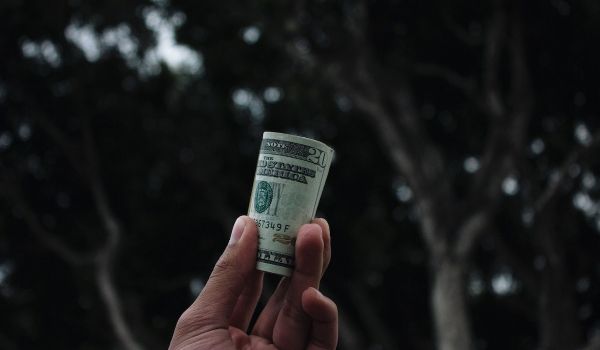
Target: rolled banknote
289,180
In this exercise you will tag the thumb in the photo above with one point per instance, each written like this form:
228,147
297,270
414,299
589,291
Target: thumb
229,276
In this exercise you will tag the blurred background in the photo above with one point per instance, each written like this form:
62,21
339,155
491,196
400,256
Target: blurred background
463,200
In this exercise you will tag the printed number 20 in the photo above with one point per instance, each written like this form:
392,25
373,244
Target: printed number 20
316,156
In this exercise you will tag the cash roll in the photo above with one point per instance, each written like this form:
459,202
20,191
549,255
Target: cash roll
290,176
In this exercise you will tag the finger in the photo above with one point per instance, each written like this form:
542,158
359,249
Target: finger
324,315
326,241
266,320
293,324
229,277
246,303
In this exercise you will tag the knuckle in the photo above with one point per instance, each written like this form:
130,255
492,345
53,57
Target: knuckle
190,322
294,312
227,268
225,263
226,274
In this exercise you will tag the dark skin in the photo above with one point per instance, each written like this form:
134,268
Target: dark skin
296,317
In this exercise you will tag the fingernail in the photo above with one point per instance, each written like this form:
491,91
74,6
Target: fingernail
238,229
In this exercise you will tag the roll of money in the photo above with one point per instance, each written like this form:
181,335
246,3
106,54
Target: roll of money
290,176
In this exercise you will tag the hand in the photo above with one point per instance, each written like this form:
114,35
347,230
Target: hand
296,317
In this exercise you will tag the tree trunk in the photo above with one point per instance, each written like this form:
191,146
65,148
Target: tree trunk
449,305
559,326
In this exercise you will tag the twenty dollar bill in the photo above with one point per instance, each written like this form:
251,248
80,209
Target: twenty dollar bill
290,175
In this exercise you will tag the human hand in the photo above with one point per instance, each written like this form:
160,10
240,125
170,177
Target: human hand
296,317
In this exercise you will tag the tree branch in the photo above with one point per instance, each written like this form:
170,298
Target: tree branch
397,150
556,182
410,149
593,343
470,230
455,28
11,189
366,102
104,273
375,327
493,108
522,269
63,143
382,122
521,92
496,34
390,109
508,126
417,144
464,84
87,167
112,301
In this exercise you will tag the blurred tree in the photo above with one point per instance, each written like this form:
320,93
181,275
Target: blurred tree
129,133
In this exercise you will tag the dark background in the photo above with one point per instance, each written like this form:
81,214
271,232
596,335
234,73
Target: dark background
466,164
